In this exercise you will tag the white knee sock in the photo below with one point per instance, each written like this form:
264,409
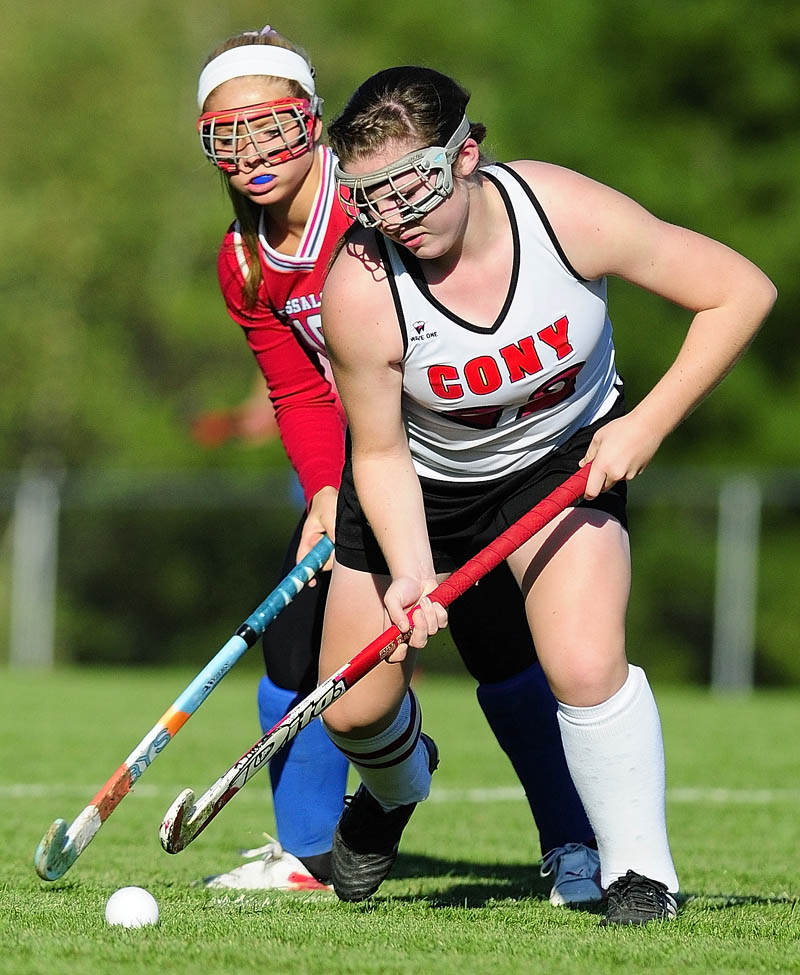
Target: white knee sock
394,764
615,754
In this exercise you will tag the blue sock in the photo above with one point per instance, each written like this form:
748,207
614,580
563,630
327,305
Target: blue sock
521,712
309,777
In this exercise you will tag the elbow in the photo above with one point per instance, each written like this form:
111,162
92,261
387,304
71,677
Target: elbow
760,298
771,296
767,294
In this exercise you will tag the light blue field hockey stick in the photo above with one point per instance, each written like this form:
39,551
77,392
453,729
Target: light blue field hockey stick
61,845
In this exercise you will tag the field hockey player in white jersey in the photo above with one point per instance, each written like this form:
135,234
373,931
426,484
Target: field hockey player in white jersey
467,326
260,125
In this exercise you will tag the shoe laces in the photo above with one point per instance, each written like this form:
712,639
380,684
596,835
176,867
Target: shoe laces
271,850
638,893
364,810
366,823
552,858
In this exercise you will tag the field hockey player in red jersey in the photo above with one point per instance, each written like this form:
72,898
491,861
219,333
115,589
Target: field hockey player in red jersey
467,324
260,124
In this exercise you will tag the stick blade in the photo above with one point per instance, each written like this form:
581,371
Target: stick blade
171,832
55,853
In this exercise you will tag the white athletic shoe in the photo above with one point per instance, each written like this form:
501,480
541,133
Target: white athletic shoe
275,869
577,874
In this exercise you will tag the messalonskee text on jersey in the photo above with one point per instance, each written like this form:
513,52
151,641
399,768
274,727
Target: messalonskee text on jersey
294,306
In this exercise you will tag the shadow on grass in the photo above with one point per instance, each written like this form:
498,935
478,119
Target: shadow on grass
473,884
468,883
59,886
721,902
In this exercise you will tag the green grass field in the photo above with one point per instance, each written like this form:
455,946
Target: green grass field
465,895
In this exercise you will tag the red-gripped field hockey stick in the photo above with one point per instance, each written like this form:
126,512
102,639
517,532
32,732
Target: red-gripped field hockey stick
186,819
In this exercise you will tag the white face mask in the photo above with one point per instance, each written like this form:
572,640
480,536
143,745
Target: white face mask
406,189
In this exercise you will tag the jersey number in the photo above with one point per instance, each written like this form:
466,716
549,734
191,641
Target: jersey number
311,331
549,394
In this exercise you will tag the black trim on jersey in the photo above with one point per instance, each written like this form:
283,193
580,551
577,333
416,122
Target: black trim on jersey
412,265
398,305
543,217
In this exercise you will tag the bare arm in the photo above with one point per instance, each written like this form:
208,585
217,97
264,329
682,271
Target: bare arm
604,232
365,349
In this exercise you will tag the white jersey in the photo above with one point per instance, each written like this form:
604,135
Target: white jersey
480,403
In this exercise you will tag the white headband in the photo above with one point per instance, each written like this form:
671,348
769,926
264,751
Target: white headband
254,59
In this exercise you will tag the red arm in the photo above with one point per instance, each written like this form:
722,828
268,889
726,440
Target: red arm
307,409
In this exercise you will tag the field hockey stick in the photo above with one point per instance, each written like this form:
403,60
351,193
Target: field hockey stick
186,819
61,845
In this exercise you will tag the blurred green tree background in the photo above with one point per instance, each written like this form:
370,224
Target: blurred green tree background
114,335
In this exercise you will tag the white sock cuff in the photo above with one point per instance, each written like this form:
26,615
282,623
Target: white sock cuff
392,745
598,714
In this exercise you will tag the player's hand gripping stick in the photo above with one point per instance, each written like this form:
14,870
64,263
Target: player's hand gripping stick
186,819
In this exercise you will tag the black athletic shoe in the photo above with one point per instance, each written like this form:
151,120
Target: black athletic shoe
634,899
366,839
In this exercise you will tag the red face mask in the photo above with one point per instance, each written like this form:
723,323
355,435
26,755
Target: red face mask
270,132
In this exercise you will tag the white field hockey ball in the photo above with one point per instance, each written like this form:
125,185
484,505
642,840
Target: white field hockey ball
131,907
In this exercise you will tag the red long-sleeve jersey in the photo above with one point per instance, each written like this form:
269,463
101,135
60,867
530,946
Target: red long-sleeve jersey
283,330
